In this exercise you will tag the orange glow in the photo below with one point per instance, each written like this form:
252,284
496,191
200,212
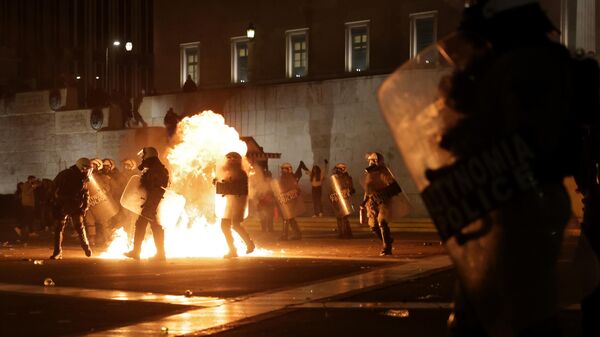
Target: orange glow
192,164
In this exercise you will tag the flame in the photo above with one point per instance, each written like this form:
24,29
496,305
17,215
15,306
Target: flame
192,163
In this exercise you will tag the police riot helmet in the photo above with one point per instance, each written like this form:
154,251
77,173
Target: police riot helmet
148,152
340,168
233,156
96,164
83,164
375,158
286,167
108,164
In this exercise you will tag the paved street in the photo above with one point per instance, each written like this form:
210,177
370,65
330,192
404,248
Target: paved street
320,286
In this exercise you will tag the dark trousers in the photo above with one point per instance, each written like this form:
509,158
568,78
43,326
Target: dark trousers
77,221
590,305
287,223
317,192
344,229
140,233
266,218
227,225
28,218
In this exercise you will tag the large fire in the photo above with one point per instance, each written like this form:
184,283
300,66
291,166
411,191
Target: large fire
204,139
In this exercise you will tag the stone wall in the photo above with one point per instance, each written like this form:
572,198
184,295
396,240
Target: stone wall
34,140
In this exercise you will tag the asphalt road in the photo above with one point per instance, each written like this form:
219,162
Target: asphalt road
320,286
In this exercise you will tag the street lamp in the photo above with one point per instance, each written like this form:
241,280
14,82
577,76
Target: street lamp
250,31
116,43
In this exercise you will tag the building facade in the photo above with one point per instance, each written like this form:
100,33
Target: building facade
305,85
304,82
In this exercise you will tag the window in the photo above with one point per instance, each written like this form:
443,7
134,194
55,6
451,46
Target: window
357,46
239,60
423,33
190,65
297,53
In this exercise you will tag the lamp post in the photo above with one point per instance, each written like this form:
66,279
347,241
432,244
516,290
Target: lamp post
116,43
250,33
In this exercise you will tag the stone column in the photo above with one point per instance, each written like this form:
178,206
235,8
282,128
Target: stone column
586,26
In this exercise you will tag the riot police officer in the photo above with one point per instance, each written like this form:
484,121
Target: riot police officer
489,147
71,202
587,174
289,197
233,186
342,189
155,178
380,188
102,206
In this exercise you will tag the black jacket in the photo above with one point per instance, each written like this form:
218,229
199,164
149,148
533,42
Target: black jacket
71,193
154,180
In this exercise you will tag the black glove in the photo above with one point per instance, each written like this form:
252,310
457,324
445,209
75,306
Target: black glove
303,166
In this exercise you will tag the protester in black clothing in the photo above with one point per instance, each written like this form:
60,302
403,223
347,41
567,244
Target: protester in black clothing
171,119
155,178
46,197
71,202
189,85
18,207
317,174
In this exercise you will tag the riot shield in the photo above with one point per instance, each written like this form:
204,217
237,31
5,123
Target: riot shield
102,206
483,198
340,197
169,209
393,195
290,201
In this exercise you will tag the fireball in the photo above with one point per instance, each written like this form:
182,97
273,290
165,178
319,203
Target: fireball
204,139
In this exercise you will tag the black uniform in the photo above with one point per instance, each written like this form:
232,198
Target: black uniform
71,201
587,174
347,188
378,180
235,187
289,182
154,180
514,101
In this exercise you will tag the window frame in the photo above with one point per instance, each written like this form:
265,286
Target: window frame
348,47
183,47
234,59
413,17
289,51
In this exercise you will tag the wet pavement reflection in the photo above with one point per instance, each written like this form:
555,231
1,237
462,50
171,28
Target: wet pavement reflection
227,313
